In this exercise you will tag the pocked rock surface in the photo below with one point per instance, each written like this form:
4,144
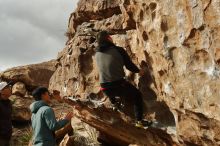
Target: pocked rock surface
177,43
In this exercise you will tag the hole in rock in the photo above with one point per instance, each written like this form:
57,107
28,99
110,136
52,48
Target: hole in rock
92,40
153,6
164,26
141,15
145,36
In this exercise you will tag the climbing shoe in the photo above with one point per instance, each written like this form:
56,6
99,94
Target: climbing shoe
115,107
139,124
143,124
147,123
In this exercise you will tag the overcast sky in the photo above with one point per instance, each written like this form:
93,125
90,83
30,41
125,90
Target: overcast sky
32,31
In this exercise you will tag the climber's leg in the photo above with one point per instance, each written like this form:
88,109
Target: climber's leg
133,94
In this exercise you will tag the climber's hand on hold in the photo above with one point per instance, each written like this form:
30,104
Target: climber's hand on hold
141,72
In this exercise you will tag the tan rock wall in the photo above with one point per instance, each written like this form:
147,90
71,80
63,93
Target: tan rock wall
177,43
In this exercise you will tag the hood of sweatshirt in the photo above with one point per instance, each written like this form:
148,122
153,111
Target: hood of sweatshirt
35,106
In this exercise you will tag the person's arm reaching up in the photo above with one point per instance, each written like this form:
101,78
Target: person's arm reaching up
127,61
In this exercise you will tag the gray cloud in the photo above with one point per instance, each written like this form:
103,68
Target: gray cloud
32,31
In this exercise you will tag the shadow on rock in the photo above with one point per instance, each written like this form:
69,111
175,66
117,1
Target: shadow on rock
158,109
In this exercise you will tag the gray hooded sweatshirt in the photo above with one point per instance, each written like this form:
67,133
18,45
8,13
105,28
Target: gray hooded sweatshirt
110,60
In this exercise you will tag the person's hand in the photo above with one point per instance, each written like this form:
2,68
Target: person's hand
56,92
141,73
69,116
56,95
77,107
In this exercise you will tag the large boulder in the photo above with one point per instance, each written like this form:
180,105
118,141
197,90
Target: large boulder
20,108
19,89
82,134
31,75
117,128
175,42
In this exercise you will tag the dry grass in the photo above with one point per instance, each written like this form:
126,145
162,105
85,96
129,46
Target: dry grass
21,137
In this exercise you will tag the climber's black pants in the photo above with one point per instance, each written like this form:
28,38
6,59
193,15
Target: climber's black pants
126,89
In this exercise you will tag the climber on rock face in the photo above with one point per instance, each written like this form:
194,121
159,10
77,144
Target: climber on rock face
43,119
5,113
110,60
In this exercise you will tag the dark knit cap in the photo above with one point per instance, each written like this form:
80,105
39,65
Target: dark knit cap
102,37
37,93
